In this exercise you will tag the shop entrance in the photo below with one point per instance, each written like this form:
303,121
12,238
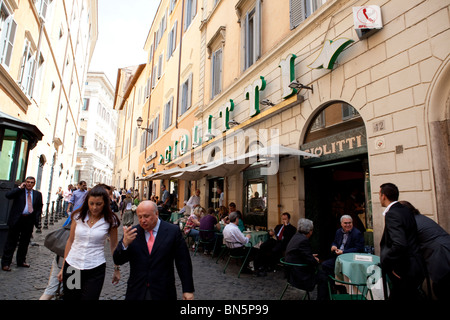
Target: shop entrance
333,190
337,181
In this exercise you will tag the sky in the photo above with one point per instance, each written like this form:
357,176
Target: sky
122,30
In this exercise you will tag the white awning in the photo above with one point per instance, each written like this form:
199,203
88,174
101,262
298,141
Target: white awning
228,166
191,173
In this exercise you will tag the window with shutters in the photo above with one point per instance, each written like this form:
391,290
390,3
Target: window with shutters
27,66
250,19
190,10
160,65
7,34
186,95
216,72
172,40
168,113
302,9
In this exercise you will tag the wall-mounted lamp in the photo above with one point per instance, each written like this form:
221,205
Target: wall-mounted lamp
298,85
139,124
209,136
233,123
267,102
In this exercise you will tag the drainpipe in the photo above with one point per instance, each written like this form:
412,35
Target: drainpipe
179,63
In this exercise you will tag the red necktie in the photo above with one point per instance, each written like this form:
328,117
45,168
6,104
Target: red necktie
280,235
30,202
150,242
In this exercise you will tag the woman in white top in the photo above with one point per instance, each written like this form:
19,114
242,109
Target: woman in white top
84,265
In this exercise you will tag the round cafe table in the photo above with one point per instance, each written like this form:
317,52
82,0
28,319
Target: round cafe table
357,267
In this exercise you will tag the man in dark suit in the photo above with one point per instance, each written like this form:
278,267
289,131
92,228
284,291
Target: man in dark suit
273,249
299,251
400,258
347,239
25,213
151,248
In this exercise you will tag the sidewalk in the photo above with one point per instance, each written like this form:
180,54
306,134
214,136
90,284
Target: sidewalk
210,281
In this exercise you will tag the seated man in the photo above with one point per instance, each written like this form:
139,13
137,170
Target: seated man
299,251
235,239
347,239
273,249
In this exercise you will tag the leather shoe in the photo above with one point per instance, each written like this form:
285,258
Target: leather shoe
6,268
24,265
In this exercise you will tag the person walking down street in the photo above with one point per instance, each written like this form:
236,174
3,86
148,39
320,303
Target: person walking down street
77,199
400,258
84,266
153,248
127,213
67,195
25,213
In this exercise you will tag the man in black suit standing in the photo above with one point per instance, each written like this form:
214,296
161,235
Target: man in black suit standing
400,258
25,213
151,248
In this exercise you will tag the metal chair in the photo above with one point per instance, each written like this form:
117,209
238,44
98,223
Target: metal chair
202,240
289,265
358,291
229,245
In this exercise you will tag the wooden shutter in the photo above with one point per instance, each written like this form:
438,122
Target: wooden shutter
296,12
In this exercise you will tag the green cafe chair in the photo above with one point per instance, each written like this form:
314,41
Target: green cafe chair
289,265
244,258
358,291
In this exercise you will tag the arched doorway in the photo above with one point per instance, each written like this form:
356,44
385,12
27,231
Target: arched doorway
438,113
337,182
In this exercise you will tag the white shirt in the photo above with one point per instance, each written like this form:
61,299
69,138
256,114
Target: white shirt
388,207
232,234
221,199
88,247
193,201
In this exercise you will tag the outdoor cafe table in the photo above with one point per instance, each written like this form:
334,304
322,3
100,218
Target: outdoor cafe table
257,236
175,216
357,267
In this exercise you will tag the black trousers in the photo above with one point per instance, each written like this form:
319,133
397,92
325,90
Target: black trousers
83,284
20,233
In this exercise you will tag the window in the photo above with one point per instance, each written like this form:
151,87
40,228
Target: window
86,104
216,73
172,5
172,40
186,95
7,34
27,68
81,141
155,128
348,112
190,10
160,62
168,107
302,9
252,35
42,7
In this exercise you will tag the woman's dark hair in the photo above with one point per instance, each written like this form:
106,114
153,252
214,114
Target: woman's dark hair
410,207
109,216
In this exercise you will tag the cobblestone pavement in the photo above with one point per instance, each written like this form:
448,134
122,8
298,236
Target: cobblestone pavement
209,280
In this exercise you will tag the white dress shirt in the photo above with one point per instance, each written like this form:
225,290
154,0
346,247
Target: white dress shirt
234,236
388,207
88,247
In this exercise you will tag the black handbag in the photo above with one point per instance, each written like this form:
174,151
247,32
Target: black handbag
56,240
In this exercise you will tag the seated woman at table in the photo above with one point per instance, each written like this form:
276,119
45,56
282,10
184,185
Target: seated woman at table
347,239
192,224
223,213
209,222
299,251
